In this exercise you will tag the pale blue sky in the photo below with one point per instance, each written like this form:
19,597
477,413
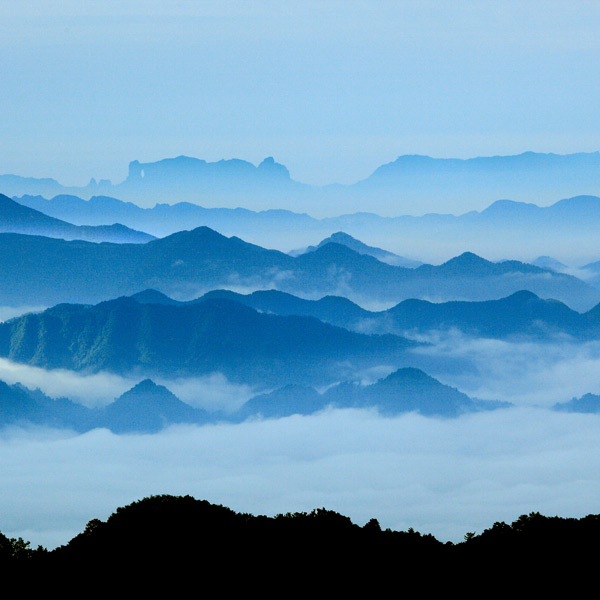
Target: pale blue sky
331,89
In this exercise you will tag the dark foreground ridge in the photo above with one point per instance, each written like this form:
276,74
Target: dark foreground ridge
180,532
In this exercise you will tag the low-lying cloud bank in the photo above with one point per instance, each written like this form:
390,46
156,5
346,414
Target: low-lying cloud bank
525,373
445,477
212,392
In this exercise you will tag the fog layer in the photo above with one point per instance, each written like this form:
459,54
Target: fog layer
445,477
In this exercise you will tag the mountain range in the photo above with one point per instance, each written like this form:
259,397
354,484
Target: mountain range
149,408
17,218
347,240
37,271
411,183
566,228
522,314
405,390
124,336
146,408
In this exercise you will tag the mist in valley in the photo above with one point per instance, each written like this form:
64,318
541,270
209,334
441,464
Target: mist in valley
444,476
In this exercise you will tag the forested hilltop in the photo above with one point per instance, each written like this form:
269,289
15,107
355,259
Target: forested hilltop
180,532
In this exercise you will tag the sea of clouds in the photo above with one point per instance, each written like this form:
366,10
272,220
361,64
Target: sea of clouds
440,476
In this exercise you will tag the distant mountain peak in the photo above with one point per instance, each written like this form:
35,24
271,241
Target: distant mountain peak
523,296
582,202
547,262
344,239
467,259
151,296
407,374
147,390
588,403
339,236
198,234
147,385
19,218
508,206
270,167
333,250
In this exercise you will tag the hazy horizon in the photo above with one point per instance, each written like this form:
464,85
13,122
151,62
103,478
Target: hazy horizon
391,160
332,90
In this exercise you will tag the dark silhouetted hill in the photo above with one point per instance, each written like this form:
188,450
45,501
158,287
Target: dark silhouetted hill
173,535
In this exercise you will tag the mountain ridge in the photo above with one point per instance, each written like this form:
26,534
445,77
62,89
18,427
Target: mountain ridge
189,263
148,407
566,228
217,335
522,314
426,182
17,218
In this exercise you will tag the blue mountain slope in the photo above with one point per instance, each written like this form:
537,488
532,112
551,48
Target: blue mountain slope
405,390
16,218
216,335
522,314
41,270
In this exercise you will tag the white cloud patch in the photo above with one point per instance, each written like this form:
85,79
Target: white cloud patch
445,477
10,312
522,372
212,391
92,390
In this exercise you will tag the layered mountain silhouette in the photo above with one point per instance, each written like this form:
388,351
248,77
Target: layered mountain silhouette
16,218
149,408
347,240
566,228
520,314
125,336
48,271
146,408
21,406
405,390
419,182
547,262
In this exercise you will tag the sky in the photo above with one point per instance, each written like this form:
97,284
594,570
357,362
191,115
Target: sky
330,89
